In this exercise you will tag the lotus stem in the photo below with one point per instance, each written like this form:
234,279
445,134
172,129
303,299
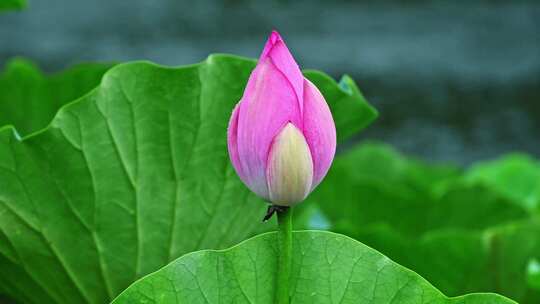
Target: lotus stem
284,237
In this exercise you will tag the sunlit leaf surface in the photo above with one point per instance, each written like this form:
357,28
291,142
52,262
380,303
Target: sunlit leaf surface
327,268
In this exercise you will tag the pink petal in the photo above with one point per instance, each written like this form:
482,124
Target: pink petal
279,54
232,142
268,104
319,130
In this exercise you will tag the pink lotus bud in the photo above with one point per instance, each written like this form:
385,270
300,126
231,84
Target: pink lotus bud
281,135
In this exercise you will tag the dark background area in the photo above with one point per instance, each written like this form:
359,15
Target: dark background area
453,80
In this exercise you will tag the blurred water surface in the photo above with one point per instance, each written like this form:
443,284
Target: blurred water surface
453,80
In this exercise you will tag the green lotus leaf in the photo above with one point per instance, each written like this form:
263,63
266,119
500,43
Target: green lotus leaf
327,268
466,237
516,176
131,176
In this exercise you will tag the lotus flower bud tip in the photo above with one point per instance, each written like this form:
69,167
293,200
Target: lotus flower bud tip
281,136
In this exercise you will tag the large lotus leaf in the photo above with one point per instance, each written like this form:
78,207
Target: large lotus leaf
327,268
516,176
373,184
29,99
131,176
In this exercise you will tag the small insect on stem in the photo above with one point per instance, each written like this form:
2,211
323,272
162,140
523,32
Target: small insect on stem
273,209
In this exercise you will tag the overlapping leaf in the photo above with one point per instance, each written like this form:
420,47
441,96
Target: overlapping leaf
459,261
131,176
375,185
515,176
327,268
